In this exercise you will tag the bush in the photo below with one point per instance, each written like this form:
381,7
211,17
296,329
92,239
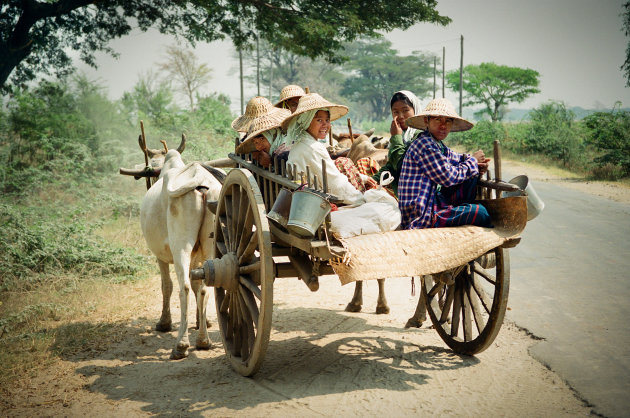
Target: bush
609,133
482,136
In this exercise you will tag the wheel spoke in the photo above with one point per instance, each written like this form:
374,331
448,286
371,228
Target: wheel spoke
229,221
249,268
250,303
243,326
225,303
246,234
448,302
249,284
480,271
243,210
476,308
222,248
483,296
466,311
249,250
436,288
224,231
457,305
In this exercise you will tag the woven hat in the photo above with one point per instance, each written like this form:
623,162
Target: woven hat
312,101
256,107
289,92
439,107
263,123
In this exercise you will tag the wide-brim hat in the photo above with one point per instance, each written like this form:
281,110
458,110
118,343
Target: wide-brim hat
439,107
312,101
263,123
256,107
289,92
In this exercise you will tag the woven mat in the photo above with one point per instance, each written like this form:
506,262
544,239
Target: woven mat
414,252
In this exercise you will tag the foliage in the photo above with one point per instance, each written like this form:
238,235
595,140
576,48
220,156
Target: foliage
35,244
625,67
494,86
182,66
35,37
554,133
609,133
482,136
377,71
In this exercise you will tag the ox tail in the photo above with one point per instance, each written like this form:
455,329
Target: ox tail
218,174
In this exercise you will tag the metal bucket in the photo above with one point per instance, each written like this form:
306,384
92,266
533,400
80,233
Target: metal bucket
308,211
534,204
279,213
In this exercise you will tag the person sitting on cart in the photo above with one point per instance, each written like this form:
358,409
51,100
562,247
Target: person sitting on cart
305,128
262,131
437,185
290,97
404,104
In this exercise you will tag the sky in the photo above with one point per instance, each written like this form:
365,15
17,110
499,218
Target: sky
577,46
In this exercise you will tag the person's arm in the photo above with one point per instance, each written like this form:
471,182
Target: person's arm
440,169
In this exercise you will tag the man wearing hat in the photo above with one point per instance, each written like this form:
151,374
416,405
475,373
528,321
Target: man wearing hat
437,185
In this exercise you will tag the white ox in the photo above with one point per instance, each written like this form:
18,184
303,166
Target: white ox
177,226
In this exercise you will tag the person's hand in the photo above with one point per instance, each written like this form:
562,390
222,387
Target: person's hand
483,168
482,161
262,157
395,128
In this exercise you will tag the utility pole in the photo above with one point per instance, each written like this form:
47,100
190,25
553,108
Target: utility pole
461,75
443,60
434,79
257,66
240,61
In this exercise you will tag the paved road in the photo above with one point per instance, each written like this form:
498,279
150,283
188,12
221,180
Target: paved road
570,284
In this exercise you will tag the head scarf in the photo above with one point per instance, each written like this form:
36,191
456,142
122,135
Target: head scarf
296,131
411,133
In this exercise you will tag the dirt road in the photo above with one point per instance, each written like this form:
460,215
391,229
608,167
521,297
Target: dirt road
320,361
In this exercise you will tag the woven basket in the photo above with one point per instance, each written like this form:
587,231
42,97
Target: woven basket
439,107
256,107
263,123
289,92
314,101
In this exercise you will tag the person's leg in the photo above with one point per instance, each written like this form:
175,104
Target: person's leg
465,214
465,192
347,168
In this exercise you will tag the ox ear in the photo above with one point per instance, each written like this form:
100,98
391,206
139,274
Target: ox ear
182,144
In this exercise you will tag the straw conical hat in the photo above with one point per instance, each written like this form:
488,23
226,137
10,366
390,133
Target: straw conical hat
312,101
439,107
256,107
289,92
263,123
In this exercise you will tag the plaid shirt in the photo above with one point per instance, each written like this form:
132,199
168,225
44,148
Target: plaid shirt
428,164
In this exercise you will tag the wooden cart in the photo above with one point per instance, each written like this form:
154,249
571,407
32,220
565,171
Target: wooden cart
466,306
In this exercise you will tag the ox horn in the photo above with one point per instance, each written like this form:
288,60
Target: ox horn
182,144
164,143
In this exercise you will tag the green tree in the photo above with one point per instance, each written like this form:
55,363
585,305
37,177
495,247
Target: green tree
35,36
151,99
189,75
494,86
609,132
377,71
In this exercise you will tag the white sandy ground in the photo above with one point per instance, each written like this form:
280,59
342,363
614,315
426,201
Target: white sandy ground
321,361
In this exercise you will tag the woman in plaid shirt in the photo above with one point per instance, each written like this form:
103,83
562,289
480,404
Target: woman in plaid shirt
438,185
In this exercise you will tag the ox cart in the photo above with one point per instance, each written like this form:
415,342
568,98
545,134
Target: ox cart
464,295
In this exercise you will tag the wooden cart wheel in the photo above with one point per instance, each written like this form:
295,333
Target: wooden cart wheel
467,304
245,303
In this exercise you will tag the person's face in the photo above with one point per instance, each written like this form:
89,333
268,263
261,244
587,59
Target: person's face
439,126
261,143
292,103
320,125
400,112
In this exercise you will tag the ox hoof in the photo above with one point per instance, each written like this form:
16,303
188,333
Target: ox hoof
179,352
353,307
382,310
164,327
414,322
203,345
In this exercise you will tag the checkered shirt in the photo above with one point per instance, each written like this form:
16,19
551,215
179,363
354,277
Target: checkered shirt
428,164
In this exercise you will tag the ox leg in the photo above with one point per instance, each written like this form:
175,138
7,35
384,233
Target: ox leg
182,263
357,299
420,315
165,324
381,303
201,294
